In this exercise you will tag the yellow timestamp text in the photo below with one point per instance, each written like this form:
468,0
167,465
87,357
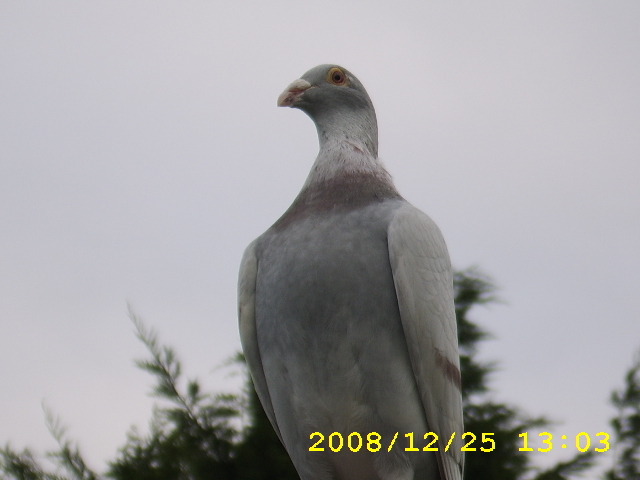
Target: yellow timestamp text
471,442
582,441
374,442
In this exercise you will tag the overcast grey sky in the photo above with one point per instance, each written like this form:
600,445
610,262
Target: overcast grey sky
141,150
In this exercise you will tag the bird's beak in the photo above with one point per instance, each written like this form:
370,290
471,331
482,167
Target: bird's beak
293,93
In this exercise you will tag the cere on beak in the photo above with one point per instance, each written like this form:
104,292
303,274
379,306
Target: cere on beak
293,92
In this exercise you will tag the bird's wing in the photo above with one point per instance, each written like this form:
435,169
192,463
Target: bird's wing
424,287
248,333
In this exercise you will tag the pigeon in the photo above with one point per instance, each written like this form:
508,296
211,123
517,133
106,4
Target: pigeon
346,310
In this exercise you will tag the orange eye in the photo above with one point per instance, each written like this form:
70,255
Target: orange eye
337,77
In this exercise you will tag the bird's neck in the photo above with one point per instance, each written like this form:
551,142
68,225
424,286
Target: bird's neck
345,176
358,128
344,158
348,147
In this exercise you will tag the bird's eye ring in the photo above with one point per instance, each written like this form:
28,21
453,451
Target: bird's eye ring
337,77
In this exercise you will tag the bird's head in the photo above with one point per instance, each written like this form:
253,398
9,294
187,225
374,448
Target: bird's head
337,103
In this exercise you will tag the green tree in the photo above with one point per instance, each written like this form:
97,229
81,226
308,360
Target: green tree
195,435
626,427
193,438
483,415
24,465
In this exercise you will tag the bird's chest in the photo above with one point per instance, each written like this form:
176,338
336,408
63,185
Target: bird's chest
325,273
328,323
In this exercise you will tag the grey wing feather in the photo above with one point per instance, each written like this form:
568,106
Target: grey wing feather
424,287
248,331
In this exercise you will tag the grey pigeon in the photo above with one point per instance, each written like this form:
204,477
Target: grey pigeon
346,309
